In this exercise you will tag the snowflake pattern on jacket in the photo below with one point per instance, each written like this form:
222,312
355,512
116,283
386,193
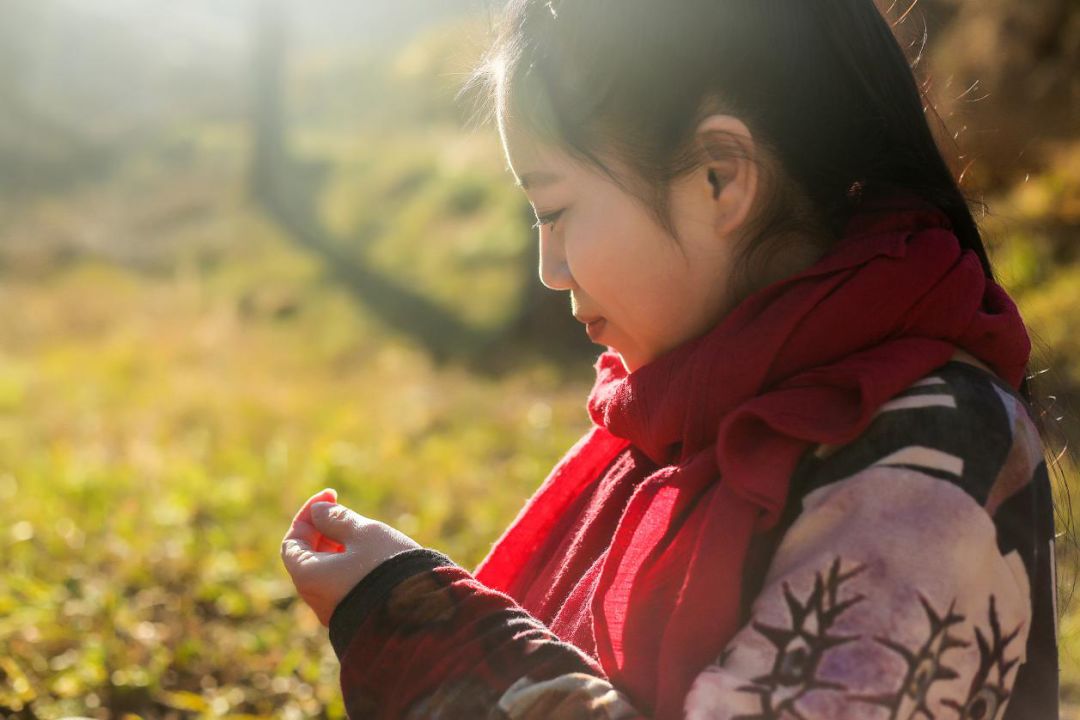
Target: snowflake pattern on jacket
911,579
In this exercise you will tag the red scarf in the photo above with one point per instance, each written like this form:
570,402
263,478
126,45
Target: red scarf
726,417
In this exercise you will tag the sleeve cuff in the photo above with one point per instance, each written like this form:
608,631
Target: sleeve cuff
374,588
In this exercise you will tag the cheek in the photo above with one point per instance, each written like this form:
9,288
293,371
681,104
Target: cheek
588,249
626,265
601,256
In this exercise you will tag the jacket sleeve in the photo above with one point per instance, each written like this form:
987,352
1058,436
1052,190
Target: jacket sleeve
902,589
420,637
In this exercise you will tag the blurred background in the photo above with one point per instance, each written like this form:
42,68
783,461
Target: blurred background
251,249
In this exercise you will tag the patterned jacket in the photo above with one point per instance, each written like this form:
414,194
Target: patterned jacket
913,576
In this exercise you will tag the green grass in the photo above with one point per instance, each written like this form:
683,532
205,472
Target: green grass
161,421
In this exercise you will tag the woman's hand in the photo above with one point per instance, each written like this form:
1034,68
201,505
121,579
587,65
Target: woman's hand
329,549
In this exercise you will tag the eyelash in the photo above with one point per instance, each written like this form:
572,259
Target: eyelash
548,219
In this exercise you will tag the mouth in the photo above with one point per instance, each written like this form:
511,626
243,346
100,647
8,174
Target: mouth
593,326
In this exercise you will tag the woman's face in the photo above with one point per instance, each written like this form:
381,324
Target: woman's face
637,289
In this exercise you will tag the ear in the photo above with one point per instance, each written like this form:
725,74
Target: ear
729,173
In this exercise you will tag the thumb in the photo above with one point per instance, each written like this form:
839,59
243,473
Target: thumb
333,520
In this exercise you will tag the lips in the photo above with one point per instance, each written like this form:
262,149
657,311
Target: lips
593,326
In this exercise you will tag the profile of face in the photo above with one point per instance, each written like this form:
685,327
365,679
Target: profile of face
638,289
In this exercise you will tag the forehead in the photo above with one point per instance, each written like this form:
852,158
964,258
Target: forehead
533,162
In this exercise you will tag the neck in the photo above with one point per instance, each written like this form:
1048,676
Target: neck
779,258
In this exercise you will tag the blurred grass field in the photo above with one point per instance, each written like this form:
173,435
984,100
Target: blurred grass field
163,416
177,375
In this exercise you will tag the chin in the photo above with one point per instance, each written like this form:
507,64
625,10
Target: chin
633,357
630,361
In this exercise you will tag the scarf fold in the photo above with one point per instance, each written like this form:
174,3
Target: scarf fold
727,417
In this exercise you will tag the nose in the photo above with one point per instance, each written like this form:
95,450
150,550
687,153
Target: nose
554,270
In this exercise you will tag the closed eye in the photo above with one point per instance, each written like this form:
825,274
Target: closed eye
548,219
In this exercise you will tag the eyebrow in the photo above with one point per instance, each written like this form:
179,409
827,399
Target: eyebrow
538,178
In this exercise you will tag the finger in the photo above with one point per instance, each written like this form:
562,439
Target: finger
304,543
315,540
305,532
303,515
294,550
326,494
337,522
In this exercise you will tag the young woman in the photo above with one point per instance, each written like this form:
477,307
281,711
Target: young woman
814,487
